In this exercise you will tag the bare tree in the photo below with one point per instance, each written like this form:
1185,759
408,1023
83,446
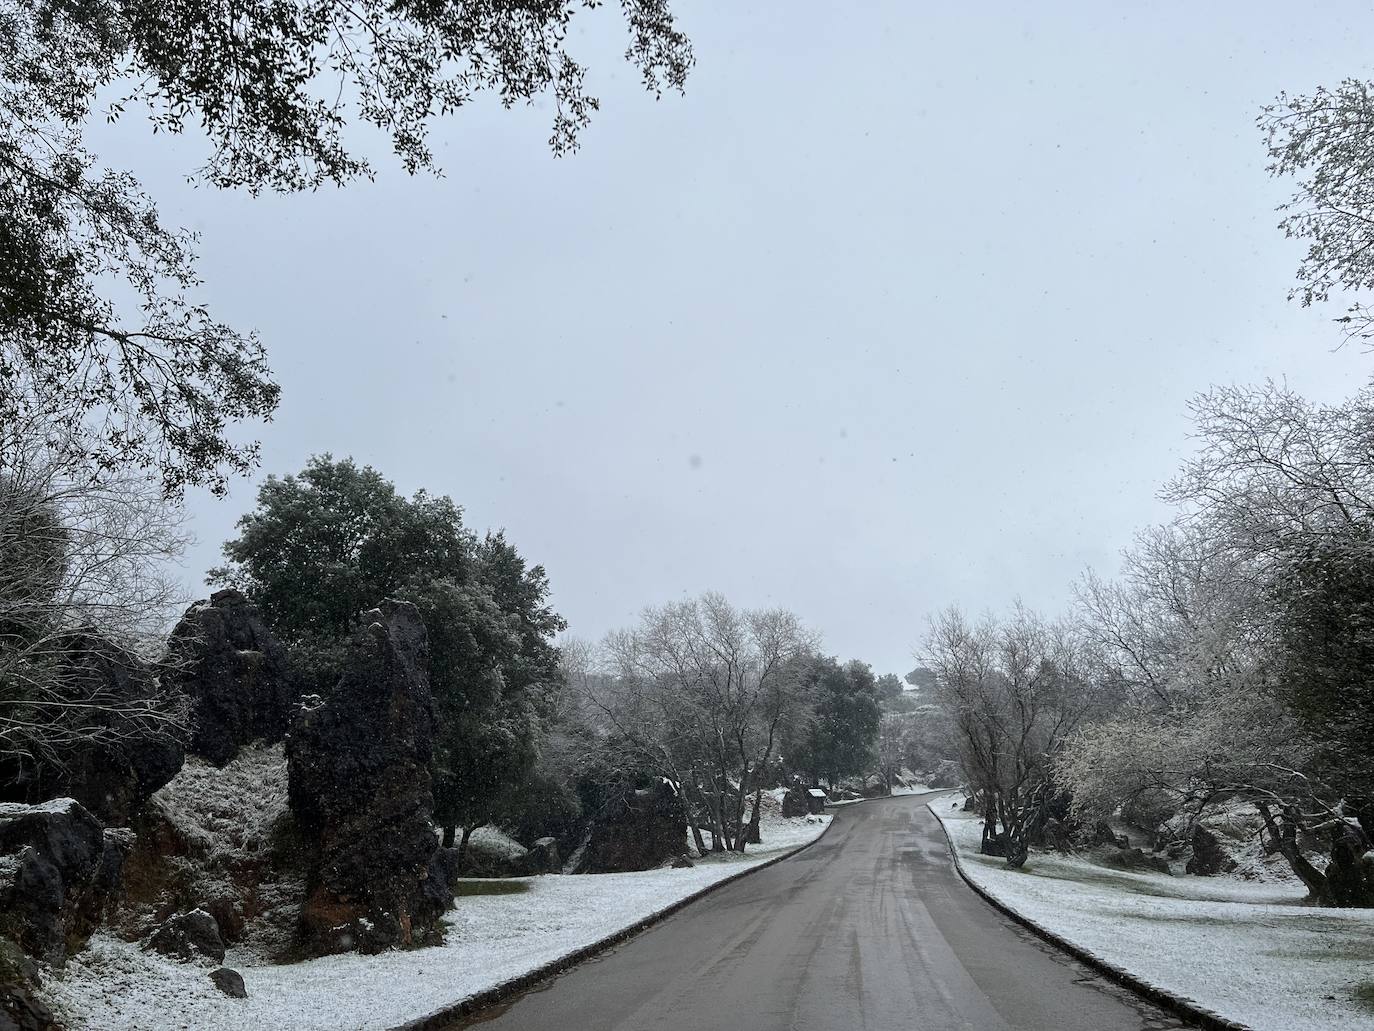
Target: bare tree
892,746
1274,471
1013,690
84,587
1194,631
1186,599
702,693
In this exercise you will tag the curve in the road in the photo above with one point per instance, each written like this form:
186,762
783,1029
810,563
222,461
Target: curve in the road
870,929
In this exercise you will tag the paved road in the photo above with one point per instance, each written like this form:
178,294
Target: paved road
868,930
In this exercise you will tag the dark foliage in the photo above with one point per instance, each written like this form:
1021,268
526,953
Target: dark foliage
101,335
324,545
1326,630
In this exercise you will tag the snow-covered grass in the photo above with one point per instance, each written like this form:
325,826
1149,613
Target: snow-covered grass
491,939
1248,951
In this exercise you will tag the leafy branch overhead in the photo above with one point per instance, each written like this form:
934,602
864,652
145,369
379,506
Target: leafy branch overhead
100,327
1325,140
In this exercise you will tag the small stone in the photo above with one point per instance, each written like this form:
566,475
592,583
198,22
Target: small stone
230,982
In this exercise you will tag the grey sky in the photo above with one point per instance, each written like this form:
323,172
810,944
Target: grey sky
899,306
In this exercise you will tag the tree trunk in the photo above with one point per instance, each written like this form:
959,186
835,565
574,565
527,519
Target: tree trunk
1285,834
463,847
693,800
750,834
994,844
741,831
449,831
713,808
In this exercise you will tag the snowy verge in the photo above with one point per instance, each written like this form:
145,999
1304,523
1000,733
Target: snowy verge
917,788
495,945
1231,954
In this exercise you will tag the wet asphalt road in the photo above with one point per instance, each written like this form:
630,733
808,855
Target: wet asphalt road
870,929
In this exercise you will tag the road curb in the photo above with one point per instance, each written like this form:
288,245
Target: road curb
470,1005
1176,1004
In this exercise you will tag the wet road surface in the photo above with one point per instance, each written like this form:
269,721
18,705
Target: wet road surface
870,929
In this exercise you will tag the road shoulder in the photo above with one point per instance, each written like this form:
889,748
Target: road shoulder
1201,934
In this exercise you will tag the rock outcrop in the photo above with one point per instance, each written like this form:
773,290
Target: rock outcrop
59,870
1135,859
119,757
221,839
1208,857
636,830
359,788
21,1010
947,774
1350,874
236,673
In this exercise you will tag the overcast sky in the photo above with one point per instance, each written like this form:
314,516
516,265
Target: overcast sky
901,304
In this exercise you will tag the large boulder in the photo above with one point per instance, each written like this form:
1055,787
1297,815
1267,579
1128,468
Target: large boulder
59,870
795,802
1208,856
1135,859
220,838
359,786
636,830
189,937
235,671
541,858
1351,870
118,755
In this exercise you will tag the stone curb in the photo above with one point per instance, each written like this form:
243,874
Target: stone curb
467,1007
1175,1004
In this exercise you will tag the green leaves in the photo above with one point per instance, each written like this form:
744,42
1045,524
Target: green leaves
337,538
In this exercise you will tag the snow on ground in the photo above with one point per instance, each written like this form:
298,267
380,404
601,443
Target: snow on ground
113,985
913,789
1248,951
